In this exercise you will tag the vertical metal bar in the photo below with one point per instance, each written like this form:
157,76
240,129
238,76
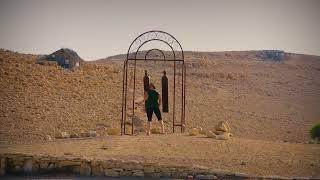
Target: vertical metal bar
123,79
182,95
174,94
134,90
125,99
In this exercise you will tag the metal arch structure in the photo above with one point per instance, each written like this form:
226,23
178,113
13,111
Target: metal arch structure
134,54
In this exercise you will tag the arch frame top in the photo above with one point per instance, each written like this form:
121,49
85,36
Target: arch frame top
155,35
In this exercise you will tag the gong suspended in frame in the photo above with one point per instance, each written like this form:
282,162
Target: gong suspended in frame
175,58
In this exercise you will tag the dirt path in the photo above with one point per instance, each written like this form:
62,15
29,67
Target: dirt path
253,157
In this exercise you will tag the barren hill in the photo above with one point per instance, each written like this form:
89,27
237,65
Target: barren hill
276,101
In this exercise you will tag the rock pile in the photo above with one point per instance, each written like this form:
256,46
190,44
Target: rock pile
221,131
64,57
65,135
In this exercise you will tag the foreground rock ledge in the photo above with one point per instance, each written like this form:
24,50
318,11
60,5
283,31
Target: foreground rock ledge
24,164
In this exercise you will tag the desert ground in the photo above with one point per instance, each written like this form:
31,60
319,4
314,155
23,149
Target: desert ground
270,106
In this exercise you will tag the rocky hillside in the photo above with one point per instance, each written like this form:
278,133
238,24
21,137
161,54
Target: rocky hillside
267,100
38,100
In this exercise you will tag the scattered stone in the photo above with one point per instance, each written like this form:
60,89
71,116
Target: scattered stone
202,131
179,173
243,163
111,173
108,164
218,132
51,166
92,133
62,135
210,134
223,126
43,165
194,132
85,169
224,136
84,134
74,135
125,173
137,173
113,131
48,138
209,176
97,171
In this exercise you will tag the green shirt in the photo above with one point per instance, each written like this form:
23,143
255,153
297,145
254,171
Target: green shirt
152,101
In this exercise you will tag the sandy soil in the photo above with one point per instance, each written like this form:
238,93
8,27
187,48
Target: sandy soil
263,100
254,157
270,106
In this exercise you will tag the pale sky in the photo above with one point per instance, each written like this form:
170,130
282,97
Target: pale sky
100,28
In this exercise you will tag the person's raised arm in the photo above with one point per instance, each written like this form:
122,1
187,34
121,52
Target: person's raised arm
145,96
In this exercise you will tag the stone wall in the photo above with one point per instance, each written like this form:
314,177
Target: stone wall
23,164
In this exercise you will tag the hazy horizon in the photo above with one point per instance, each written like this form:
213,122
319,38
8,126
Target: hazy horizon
97,29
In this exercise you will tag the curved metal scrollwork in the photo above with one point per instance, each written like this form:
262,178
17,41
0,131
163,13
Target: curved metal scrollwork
174,55
164,37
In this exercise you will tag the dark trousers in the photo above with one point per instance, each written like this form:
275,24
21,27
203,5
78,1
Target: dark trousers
156,111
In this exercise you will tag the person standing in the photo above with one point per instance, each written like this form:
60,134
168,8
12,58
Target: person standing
152,102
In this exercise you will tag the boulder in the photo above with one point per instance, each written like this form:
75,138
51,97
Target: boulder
97,170
74,135
194,132
62,135
51,166
218,132
137,173
111,173
223,126
208,176
210,134
202,131
85,169
93,134
84,134
48,138
224,136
